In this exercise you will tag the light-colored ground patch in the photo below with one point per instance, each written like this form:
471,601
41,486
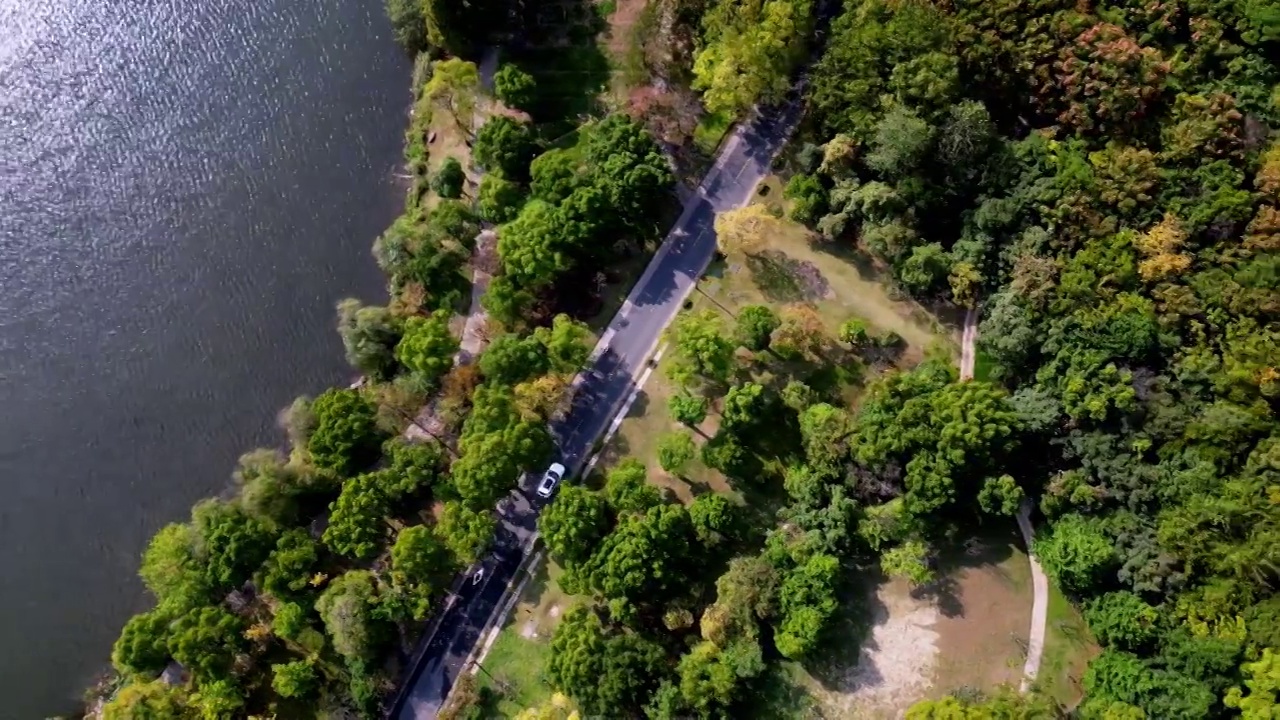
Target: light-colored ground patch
967,630
796,265
896,664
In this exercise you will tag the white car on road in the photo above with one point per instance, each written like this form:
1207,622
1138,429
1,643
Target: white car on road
550,479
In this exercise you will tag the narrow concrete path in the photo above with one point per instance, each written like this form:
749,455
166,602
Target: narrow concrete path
1039,583
967,340
1039,605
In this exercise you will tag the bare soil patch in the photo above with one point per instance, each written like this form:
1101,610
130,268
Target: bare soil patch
967,630
895,664
984,613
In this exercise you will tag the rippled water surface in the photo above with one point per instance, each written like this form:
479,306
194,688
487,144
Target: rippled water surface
186,188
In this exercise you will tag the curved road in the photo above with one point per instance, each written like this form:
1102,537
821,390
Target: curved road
618,359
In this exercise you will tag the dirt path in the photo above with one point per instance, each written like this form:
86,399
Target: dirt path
483,258
484,255
427,424
1039,583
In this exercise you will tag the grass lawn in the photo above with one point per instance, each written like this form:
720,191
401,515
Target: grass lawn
710,130
982,364
1068,648
516,661
789,270
450,141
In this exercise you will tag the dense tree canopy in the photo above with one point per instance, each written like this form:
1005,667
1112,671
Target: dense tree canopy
346,436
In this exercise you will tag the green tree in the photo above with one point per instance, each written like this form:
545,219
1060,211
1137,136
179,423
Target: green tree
700,348
155,700
369,336
290,621
854,333
219,699
427,347
644,559
1000,495
808,198
408,25
511,359
714,518
172,571
357,526
1123,620
927,82
910,560
630,168
555,175
746,406
514,87
505,146
454,82
901,143
573,524
1257,700
675,450
346,437
750,51
627,489
533,247
142,648
464,531
1075,552
755,324
925,271
231,542
449,179
288,568
417,558
499,200
567,343
687,409
205,641
713,678
1121,677
825,430
608,673
807,600
295,679
966,136
348,608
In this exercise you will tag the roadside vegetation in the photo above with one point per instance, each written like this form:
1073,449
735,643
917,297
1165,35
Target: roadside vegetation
301,592
1099,179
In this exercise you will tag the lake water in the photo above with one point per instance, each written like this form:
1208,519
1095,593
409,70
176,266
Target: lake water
186,189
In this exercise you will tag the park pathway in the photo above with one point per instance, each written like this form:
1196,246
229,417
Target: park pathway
1039,583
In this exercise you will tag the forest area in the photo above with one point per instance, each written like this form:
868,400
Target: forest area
1098,180
1101,181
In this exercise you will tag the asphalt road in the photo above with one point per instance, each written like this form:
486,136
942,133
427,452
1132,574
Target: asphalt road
624,349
